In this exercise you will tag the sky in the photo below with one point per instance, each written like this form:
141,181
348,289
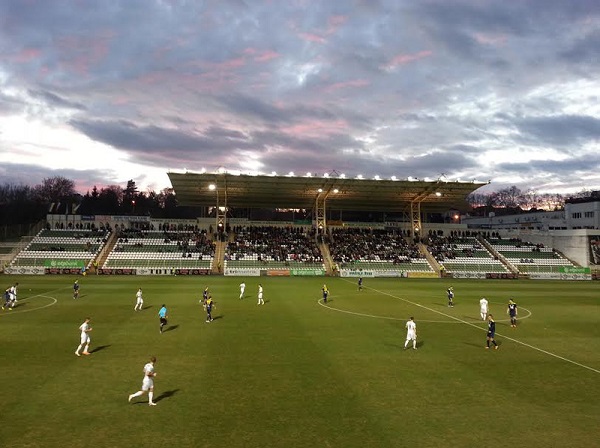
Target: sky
103,91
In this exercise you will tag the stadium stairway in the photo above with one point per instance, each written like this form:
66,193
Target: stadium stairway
217,266
430,259
511,267
107,249
327,260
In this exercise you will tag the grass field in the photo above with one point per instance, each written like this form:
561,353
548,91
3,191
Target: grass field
294,373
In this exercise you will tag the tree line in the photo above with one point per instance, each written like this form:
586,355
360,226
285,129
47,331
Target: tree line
26,204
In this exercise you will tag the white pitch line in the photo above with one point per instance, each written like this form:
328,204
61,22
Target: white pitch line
320,302
479,328
18,311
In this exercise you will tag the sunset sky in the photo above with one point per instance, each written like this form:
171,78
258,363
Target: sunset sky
102,91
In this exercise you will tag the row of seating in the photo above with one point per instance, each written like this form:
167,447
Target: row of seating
156,256
158,263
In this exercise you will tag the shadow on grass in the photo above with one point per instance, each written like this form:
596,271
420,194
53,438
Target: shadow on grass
147,307
171,328
218,317
165,395
101,347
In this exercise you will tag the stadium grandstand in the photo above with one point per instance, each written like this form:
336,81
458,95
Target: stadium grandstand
316,225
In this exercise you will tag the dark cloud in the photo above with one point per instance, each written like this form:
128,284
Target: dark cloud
566,130
569,167
55,100
23,174
149,139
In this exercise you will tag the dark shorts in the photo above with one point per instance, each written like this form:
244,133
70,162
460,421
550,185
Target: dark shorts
491,334
163,321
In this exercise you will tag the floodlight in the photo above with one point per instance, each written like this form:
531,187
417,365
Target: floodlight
212,187
335,190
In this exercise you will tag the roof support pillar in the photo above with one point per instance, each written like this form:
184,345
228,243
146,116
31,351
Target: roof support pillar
321,211
221,215
415,218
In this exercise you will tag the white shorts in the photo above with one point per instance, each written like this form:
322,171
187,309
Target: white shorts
483,311
85,338
260,295
147,383
140,302
411,335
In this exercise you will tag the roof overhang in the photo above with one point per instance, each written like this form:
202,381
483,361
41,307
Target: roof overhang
263,191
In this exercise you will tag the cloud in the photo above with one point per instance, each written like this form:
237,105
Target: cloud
55,100
404,88
566,130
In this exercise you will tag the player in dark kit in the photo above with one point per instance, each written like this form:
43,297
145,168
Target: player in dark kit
209,306
204,296
491,333
325,293
76,289
512,312
450,292
359,283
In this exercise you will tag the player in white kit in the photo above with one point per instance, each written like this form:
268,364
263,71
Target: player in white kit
411,333
85,340
147,383
483,308
242,289
139,301
260,295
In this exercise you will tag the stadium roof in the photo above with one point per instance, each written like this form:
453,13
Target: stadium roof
263,191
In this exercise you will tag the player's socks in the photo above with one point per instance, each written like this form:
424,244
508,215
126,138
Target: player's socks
150,397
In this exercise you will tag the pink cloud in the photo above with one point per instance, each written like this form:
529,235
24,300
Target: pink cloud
491,39
266,56
79,53
335,22
402,59
260,55
312,38
347,84
27,55
228,64
316,128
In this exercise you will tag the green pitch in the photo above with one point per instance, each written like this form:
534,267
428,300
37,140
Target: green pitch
294,373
